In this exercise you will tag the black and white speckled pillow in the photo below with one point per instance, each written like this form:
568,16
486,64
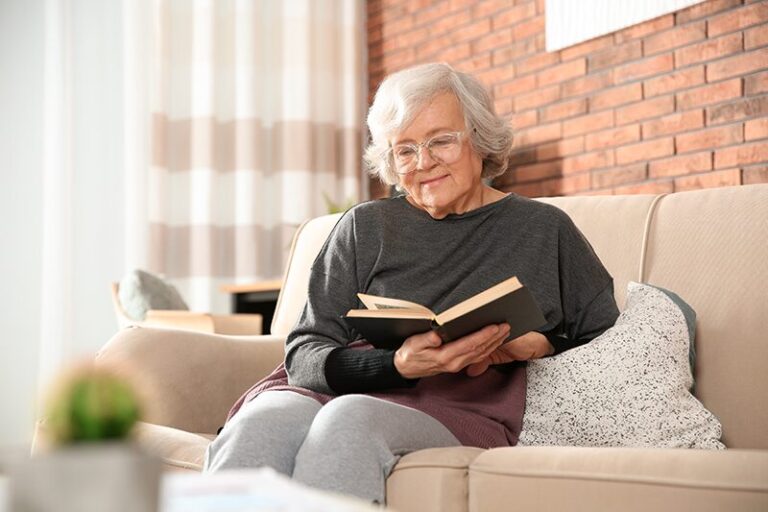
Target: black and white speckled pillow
628,387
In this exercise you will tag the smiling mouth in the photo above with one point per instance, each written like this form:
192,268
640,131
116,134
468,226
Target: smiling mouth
433,180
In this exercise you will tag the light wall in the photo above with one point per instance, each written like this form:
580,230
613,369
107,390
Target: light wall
97,253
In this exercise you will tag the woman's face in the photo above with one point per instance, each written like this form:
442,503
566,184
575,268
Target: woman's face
435,186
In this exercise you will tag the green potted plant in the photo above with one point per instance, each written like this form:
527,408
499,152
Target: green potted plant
91,463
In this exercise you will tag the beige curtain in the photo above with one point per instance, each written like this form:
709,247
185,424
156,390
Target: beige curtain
256,113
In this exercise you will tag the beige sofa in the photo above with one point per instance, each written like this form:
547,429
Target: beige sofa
709,246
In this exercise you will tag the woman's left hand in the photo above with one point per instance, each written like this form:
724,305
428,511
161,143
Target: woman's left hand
531,345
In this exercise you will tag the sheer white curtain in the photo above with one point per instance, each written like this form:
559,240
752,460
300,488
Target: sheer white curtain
248,113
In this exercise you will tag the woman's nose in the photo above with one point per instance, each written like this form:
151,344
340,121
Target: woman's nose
424,159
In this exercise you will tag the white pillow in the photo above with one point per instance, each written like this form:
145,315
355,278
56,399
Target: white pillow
141,291
628,387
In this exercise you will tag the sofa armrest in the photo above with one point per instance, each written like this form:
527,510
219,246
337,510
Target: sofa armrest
189,380
239,324
593,479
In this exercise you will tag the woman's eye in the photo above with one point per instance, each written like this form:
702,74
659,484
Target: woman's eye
404,152
442,141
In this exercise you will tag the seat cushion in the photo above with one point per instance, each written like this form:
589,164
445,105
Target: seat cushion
178,450
431,480
628,479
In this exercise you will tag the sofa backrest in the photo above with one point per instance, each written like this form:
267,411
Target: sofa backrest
708,246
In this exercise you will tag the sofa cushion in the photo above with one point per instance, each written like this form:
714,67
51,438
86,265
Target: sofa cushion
628,387
141,291
179,450
431,480
627,479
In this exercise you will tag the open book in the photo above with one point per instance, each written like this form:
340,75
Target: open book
386,323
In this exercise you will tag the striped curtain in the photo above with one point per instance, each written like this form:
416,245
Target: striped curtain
257,108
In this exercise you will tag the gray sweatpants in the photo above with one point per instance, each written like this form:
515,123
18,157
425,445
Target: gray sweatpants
350,445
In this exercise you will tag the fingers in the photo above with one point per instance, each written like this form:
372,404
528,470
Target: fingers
477,369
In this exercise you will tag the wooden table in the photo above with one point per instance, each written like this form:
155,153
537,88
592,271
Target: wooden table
260,297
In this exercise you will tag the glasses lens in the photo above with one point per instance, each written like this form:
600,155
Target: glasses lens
444,148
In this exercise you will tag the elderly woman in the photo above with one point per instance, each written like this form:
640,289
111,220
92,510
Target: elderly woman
338,414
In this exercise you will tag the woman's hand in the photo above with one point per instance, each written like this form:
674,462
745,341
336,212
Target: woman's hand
423,355
531,345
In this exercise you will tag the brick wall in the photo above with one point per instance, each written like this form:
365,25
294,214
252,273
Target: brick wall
678,102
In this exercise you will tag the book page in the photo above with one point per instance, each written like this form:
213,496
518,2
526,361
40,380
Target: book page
478,300
374,302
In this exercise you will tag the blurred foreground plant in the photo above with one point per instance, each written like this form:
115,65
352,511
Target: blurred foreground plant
91,404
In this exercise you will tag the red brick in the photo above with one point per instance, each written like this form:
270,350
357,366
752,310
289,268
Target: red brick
705,9
528,28
514,15
708,50
754,174
538,171
587,84
587,47
481,9
522,157
738,19
537,98
536,62
756,37
514,51
673,123
754,153
644,151
740,65
645,109
564,109
673,38
447,24
616,96
524,119
616,55
588,161
425,17
515,87
669,82
714,179
503,106
563,72
588,123
686,164
650,187
710,138
643,29
480,62
538,135
756,84
560,148
496,39
613,137
399,60
709,94
619,176
644,68
453,53
567,185
737,110
756,129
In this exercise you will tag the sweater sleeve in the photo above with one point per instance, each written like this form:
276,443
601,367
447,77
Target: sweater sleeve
586,291
317,356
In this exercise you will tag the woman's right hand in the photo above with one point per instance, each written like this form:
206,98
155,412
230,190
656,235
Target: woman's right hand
424,355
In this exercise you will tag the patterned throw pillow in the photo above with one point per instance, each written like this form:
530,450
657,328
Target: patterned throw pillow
141,291
628,387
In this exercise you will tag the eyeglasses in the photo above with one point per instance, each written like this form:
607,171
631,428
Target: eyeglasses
443,147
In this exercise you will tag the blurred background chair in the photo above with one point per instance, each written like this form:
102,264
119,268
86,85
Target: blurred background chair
238,324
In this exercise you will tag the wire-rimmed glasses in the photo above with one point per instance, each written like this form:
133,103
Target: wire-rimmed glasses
443,147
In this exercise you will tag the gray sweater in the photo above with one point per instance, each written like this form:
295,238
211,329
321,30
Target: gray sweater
390,248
